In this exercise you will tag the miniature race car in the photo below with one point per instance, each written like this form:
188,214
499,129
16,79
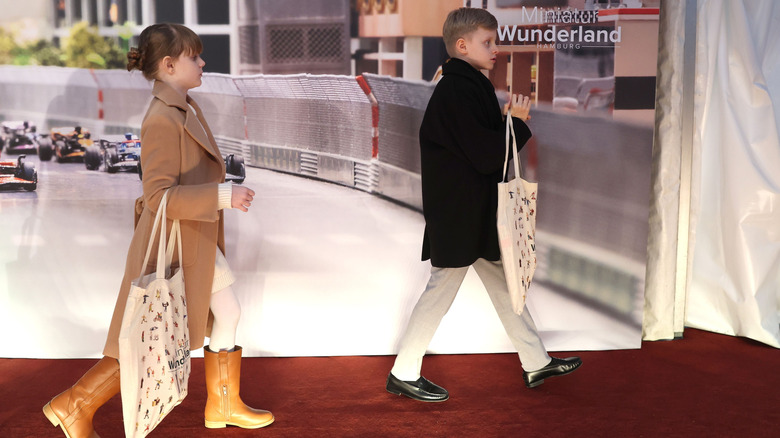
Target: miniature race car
114,152
70,143
235,170
21,137
18,174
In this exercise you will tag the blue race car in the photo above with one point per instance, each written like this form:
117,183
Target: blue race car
115,153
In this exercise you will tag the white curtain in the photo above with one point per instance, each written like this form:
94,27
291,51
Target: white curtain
733,285
735,281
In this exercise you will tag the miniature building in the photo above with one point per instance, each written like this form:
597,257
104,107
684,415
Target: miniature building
293,36
403,37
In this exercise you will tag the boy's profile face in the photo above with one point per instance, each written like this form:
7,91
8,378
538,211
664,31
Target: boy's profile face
478,48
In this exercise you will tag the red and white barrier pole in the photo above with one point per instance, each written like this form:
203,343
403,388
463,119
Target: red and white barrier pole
374,115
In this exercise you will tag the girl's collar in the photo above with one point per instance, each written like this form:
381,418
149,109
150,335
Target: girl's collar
170,95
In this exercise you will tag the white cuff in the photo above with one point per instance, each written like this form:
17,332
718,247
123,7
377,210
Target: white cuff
225,196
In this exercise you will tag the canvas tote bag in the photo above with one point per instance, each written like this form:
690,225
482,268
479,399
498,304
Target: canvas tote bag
516,222
154,346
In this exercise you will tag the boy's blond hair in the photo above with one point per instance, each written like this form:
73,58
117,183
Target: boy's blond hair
463,21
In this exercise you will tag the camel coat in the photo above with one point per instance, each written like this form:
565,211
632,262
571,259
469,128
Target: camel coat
177,154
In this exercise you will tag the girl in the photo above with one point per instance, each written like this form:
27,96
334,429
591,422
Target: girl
180,155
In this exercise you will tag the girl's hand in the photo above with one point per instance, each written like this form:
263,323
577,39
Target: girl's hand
520,106
242,198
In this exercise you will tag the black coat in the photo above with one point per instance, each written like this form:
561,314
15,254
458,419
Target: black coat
462,147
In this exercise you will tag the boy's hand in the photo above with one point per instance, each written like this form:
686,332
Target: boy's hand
242,198
520,106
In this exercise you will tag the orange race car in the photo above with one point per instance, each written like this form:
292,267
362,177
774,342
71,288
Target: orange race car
70,143
18,174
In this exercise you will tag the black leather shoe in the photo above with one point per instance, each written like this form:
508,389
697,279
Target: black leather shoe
556,367
421,389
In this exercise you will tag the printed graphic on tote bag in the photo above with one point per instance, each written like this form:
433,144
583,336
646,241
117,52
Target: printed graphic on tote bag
525,220
166,365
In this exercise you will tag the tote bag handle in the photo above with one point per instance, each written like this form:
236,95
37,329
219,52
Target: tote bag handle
164,255
510,128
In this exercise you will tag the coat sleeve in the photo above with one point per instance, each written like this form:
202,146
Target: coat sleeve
522,132
483,146
161,163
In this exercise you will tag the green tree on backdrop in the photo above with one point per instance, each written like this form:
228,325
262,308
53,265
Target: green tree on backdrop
82,48
40,52
85,48
7,45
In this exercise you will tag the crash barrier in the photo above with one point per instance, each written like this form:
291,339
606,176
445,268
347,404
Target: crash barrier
123,98
317,126
401,104
363,134
594,188
60,95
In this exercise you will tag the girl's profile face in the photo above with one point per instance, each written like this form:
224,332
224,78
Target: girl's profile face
187,72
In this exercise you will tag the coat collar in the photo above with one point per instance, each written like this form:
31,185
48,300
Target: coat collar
460,67
194,123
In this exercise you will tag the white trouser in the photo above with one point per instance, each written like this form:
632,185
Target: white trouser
224,306
436,300
227,311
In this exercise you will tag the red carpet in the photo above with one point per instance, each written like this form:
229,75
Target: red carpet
706,385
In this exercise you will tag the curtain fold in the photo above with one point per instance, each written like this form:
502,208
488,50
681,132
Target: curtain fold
661,270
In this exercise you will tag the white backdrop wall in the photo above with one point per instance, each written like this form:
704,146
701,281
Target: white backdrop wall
317,261
726,271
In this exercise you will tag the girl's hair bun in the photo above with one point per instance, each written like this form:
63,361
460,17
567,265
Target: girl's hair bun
134,61
158,41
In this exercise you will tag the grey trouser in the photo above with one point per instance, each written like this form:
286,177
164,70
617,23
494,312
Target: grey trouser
436,300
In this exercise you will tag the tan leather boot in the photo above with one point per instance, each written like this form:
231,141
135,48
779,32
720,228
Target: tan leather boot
73,409
224,406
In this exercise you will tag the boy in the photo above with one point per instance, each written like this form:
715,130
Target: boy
462,149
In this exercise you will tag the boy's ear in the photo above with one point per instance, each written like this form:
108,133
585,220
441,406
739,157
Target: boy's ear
461,47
